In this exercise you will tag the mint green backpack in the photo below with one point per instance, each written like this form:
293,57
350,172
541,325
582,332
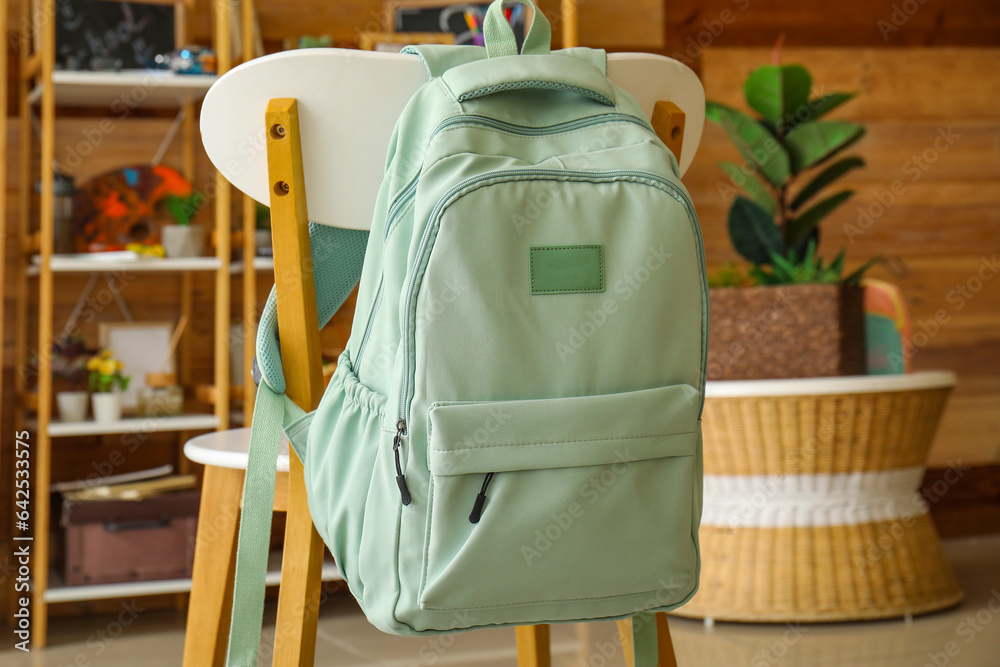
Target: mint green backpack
512,435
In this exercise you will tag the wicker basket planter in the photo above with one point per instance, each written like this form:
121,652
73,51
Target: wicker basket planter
788,331
812,511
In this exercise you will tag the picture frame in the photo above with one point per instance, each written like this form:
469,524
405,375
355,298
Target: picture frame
395,41
443,17
142,347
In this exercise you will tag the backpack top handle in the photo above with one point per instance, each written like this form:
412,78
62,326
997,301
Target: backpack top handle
499,36
554,72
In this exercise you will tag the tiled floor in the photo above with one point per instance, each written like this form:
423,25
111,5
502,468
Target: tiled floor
971,631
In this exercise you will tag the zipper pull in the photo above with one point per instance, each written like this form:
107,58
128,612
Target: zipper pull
477,507
404,491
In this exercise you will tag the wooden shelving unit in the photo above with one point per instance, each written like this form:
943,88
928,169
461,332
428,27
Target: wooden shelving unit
43,87
62,593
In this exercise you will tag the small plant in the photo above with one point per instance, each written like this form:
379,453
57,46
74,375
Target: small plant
770,224
731,275
182,208
69,360
106,373
811,269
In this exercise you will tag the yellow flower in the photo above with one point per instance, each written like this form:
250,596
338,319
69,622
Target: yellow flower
105,354
93,363
108,367
118,365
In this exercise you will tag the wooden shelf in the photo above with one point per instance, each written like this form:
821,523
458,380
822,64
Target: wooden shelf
88,263
259,264
189,422
124,91
60,592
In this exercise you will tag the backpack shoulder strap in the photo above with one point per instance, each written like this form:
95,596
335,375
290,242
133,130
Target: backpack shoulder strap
337,258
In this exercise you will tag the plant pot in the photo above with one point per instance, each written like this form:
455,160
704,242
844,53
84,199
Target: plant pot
787,331
183,240
107,406
72,406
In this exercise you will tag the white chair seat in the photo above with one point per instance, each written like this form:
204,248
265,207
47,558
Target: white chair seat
228,449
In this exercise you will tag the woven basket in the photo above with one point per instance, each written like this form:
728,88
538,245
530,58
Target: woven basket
811,506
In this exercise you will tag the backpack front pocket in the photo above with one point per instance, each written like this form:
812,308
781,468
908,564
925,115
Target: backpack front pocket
563,500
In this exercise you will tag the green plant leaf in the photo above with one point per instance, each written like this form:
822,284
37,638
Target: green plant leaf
838,263
823,105
827,176
856,276
805,223
753,232
758,193
753,140
812,143
776,92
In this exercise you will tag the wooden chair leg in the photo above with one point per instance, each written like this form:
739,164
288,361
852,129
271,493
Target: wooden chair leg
664,643
533,646
301,579
302,562
214,565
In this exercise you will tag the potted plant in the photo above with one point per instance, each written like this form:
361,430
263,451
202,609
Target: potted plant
106,382
792,314
183,239
69,364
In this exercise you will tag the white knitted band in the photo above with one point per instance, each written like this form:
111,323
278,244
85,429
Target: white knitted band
774,501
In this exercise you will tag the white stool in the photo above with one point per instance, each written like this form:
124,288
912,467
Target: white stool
224,455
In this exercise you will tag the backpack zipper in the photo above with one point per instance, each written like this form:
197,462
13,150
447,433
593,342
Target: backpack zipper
477,507
529,131
394,212
397,442
502,175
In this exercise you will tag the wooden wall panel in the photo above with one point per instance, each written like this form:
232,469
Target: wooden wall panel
940,84
693,25
942,231
683,28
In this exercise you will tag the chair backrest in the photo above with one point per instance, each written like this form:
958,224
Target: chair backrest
348,103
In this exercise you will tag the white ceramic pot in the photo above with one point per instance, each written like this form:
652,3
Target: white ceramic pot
107,406
183,240
72,406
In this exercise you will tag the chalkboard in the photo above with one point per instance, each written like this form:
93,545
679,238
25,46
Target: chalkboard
97,34
449,18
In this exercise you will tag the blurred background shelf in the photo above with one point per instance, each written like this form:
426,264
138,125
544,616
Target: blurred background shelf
124,91
94,262
187,422
58,591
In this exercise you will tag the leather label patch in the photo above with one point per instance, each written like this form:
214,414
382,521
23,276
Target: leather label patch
565,269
